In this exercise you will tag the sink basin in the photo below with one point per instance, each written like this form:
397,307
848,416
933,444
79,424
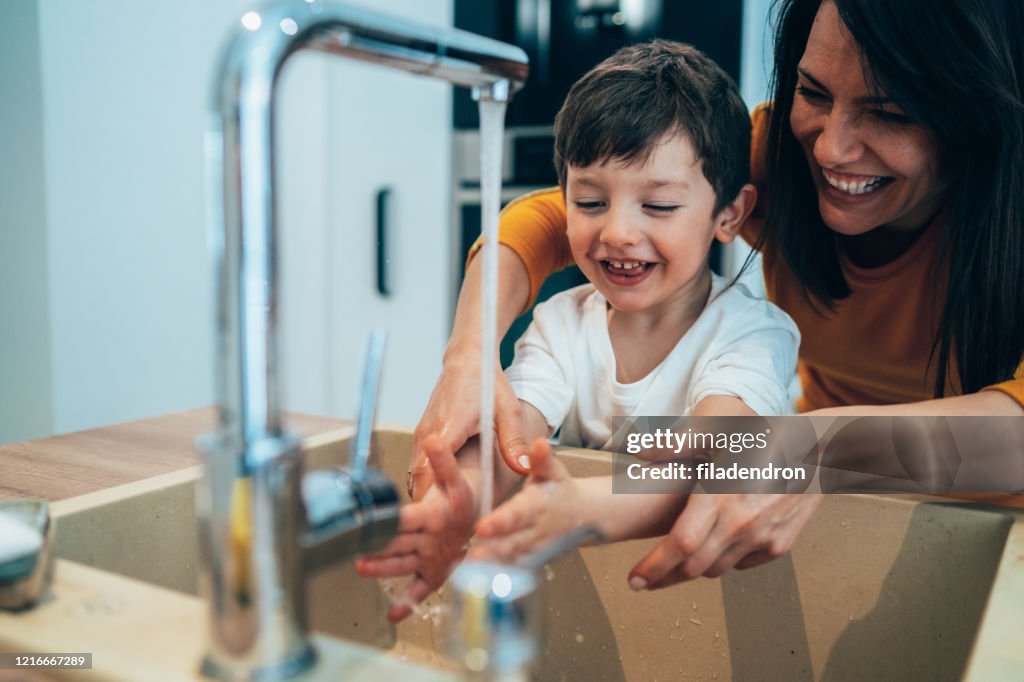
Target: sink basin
878,587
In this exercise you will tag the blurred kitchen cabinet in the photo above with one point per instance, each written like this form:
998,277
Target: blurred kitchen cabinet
108,315
365,153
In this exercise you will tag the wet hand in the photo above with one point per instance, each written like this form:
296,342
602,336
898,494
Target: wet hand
432,535
453,414
549,505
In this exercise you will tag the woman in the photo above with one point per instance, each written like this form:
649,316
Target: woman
890,219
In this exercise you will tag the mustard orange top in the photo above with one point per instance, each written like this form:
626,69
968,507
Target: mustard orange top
873,349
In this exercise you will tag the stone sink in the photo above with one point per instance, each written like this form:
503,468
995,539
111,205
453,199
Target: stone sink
878,587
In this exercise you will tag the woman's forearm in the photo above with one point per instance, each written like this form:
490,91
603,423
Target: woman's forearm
513,292
983,404
453,411
910,447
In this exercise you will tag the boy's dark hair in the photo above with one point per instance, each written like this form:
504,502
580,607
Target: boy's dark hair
956,67
625,105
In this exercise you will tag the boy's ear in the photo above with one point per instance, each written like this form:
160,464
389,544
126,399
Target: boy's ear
731,218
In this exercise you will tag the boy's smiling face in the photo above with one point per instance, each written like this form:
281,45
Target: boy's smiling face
641,233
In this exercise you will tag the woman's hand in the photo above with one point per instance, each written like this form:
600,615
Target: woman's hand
551,504
716,533
432,533
453,414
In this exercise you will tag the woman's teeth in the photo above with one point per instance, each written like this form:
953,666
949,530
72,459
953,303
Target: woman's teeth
858,187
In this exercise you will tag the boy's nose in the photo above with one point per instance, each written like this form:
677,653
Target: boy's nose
619,231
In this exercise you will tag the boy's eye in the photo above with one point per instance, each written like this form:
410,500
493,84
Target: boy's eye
588,205
661,208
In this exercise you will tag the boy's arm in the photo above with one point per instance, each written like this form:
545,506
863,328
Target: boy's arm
552,503
722,406
628,516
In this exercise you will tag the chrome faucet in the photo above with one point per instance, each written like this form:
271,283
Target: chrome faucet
259,535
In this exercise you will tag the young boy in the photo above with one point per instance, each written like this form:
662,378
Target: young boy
652,153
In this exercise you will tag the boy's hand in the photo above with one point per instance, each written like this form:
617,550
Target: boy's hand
550,504
432,534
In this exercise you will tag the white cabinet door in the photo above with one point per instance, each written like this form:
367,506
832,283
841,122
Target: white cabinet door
110,239
364,129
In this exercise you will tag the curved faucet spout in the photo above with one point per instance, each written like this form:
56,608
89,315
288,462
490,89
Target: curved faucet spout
241,158
253,516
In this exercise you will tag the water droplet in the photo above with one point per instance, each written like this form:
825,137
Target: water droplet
579,638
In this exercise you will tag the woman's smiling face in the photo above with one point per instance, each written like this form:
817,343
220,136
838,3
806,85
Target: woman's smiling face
872,166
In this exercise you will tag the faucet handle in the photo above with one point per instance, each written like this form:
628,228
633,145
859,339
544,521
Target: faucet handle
346,516
355,509
368,402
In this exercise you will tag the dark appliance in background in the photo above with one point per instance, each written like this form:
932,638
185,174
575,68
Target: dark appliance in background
564,39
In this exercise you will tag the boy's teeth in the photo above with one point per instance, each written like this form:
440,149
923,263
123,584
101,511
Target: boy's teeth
625,265
861,187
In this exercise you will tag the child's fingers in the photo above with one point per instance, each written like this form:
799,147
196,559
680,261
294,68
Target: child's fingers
388,567
512,516
413,518
543,465
429,517
507,548
404,543
415,592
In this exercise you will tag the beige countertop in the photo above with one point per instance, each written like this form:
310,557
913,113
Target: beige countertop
73,464
139,631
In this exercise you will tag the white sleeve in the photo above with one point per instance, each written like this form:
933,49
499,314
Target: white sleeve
541,373
755,363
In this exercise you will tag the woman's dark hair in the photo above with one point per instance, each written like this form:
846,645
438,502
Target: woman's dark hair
622,108
956,68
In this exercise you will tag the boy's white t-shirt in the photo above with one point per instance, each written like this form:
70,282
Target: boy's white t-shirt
564,365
